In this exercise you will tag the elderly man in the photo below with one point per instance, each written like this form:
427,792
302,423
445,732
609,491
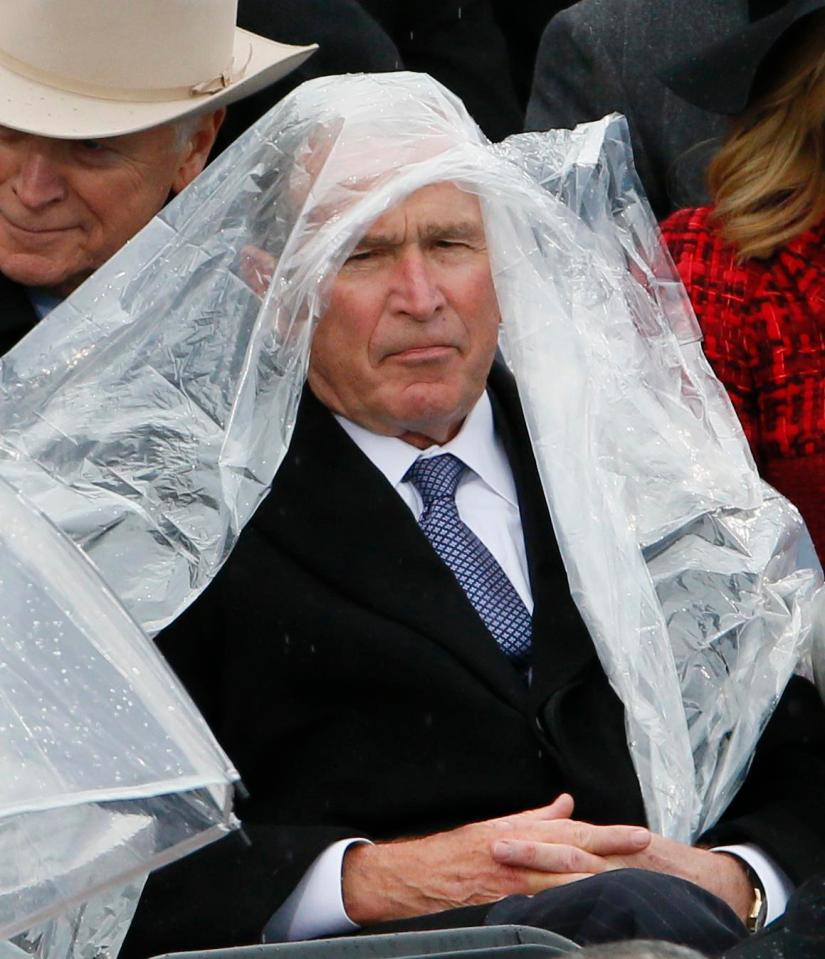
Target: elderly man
107,110
392,656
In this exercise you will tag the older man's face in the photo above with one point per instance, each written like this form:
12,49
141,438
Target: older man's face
406,344
67,205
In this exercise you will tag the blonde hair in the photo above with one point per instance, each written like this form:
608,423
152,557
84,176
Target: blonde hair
768,179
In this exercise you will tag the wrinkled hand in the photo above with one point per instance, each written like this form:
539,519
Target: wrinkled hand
481,862
719,873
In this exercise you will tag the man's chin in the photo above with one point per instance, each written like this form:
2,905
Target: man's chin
34,270
435,414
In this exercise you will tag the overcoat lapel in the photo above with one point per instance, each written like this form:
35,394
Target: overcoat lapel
562,648
579,718
337,515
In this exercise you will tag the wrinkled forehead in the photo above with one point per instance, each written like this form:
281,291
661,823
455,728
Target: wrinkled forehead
437,211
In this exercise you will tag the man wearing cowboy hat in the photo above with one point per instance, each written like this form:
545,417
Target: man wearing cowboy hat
107,108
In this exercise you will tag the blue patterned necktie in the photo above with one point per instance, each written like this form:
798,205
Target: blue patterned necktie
474,566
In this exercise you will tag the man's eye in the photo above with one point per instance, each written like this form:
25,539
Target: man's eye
362,256
95,150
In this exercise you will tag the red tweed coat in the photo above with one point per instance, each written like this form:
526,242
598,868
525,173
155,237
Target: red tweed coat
764,328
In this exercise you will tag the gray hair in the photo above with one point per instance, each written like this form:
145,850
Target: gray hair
184,128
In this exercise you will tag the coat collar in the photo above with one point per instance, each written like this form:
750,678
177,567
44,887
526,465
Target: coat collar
336,514
17,315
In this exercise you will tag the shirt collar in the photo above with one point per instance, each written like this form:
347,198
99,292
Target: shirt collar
475,444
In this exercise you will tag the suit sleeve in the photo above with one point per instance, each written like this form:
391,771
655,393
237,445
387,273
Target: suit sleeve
224,894
779,807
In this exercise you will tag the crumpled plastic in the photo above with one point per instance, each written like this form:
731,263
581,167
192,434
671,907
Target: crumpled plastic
107,768
148,414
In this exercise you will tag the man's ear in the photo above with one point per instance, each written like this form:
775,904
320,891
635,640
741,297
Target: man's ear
195,151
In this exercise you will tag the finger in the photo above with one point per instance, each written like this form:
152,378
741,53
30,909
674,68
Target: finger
539,881
547,857
599,840
560,808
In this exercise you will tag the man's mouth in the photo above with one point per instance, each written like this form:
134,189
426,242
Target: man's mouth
35,230
423,354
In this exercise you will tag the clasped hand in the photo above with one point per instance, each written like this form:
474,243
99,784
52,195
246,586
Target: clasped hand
520,854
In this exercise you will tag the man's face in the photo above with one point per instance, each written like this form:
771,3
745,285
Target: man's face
406,344
67,205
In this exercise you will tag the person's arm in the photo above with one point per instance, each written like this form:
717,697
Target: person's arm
778,810
723,875
467,866
575,79
315,907
775,883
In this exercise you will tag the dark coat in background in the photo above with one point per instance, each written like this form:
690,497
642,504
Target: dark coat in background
359,694
458,42
17,314
522,22
349,41
601,56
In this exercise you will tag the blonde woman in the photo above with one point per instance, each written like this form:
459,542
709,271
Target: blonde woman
754,261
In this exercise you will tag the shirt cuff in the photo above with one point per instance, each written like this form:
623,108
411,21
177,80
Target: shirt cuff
315,907
778,887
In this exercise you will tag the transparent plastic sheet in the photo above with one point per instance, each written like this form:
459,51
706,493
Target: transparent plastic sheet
93,930
147,415
107,768
696,584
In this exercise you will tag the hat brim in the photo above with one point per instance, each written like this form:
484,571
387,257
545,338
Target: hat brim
38,108
719,77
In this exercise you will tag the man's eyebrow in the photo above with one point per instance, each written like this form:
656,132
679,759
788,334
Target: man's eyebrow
373,240
470,230
460,230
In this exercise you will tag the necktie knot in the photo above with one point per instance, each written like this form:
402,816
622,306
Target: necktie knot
436,477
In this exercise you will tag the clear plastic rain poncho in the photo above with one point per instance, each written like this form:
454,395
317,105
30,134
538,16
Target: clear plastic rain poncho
147,416
108,770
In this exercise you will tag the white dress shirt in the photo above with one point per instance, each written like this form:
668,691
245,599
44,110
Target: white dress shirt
486,501
486,495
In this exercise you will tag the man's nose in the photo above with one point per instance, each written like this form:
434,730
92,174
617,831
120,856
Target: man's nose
39,181
418,292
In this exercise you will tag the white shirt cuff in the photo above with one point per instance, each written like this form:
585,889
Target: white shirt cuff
315,907
777,886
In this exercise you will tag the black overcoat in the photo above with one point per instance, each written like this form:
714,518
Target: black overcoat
17,314
359,694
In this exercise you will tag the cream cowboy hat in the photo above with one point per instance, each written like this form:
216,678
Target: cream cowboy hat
85,69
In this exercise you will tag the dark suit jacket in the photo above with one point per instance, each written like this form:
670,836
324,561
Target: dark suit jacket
17,315
600,56
357,691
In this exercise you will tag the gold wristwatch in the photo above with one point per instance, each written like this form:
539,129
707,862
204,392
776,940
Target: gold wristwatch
759,907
